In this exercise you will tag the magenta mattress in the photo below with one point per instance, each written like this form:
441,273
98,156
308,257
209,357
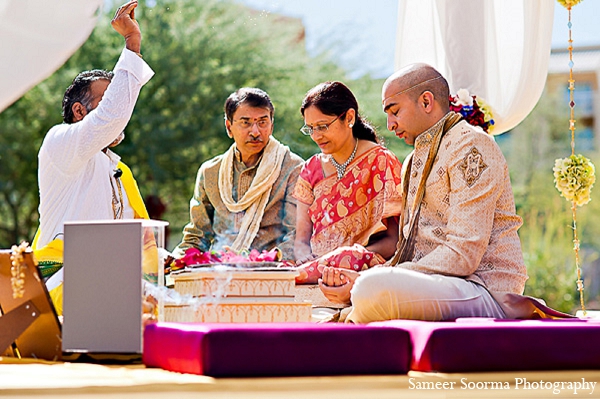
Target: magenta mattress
469,345
277,349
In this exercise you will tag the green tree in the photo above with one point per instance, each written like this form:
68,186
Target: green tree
22,128
201,52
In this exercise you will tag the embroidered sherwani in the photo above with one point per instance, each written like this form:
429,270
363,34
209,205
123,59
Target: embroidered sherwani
467,225
466,248
213,226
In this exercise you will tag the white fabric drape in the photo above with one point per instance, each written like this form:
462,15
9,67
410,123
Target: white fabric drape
497,49
37,37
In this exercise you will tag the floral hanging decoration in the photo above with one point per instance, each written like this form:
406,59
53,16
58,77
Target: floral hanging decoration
568,3
574,178
475,111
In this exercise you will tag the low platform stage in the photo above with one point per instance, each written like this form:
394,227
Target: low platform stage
29,378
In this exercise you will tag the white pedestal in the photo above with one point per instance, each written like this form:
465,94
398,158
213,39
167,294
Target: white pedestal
102,304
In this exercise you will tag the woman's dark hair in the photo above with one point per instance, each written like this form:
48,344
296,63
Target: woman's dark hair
335,98
80,91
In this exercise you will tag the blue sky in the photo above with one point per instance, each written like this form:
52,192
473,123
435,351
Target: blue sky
586,25
361,34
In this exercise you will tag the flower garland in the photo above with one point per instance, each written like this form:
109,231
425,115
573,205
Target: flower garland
475,111
574,176
17,269
193,256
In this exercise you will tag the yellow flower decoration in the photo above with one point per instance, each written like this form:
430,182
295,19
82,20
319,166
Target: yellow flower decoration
487,112
574,178
568,3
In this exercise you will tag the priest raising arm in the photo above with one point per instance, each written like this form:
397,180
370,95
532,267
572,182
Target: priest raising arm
80,178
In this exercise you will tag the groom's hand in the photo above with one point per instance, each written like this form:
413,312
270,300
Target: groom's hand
337,283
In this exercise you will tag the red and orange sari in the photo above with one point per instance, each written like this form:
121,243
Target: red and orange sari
349,211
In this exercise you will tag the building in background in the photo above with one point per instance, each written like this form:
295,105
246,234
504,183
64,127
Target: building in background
586,73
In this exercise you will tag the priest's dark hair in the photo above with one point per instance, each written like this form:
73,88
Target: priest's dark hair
80,91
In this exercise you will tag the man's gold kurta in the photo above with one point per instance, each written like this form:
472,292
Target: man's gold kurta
213,226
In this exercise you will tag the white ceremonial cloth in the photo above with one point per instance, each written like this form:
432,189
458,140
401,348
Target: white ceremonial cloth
37,37
74,174
497,49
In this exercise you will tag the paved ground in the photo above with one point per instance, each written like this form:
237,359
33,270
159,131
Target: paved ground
26,378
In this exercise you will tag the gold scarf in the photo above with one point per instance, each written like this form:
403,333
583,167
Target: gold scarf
406,245
254,201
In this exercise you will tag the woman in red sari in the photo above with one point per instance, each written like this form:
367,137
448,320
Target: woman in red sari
349,194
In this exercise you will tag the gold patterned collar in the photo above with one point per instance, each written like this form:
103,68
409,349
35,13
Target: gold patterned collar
426,138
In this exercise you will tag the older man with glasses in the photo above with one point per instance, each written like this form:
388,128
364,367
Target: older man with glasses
242,198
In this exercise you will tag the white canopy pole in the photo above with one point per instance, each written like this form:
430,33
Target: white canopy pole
37,37
497,49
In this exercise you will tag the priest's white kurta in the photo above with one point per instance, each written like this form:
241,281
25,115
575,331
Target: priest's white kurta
75,176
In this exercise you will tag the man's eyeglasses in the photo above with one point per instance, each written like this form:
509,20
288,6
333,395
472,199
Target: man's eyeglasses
247,124
323,128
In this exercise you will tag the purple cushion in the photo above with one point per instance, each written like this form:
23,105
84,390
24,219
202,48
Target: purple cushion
276,349
502,345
